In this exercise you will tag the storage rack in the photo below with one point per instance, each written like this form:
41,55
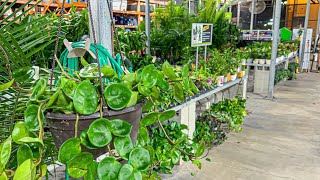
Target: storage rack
55,5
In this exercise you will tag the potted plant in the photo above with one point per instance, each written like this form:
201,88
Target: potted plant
80,96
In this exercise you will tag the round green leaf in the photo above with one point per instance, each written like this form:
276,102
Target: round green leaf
31,140
19,131
108,168
127,172
85,140
31,117
24,152
185,77
178,92
27,170
175,156
77,167
117,96
149,75
53,98
138,74
133,99
90,71
149,119
143,136
85,99
107,71
69,149
69,88
200,149
3,176
92,171
144,90
151,151
155,92
123,146
168,71
140,158
5,151
38,89
99,133
162,83
129,77
120,127
23,74
166,115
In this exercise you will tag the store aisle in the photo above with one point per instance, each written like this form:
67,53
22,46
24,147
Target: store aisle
280,139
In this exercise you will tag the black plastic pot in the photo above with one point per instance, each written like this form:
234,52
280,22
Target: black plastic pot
62,126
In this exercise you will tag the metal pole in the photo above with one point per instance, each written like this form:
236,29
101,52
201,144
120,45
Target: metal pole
189,6
205,53
147,22
197,57
318,23
304,39
252,15
238,14
230,10
102,24
275,40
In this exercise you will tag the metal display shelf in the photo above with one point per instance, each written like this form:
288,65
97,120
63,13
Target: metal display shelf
267,65
207,94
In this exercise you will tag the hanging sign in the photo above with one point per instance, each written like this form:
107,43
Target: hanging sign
201,34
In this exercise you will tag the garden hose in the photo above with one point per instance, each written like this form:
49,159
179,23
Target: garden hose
104,58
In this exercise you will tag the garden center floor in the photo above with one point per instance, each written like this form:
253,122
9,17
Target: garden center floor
280,138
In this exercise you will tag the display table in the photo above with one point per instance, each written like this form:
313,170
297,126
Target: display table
187,111
261,74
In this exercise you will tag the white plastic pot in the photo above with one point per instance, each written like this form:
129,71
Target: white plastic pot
220,80
249,61
225,79
262,61
256,61
268,61
233,77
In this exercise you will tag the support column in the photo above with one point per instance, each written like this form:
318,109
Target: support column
252,15
102,24
238,14
244,88
275,40
304,38
147,23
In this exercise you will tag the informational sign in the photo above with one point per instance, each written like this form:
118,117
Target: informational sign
201,34
307,50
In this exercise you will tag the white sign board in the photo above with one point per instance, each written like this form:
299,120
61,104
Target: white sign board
201,34
307,50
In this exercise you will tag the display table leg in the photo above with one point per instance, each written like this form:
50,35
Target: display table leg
244,88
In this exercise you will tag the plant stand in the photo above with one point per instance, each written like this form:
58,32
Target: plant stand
261,74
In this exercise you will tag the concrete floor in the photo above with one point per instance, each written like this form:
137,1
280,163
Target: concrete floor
280,138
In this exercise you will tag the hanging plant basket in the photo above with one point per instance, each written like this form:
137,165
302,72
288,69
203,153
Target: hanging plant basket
62,126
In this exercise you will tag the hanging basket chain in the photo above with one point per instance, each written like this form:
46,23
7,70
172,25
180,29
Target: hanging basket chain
114,30
96,52
57,43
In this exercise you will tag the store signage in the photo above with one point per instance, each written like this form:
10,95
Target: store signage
201,34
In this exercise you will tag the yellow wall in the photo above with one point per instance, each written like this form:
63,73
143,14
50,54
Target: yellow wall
299,10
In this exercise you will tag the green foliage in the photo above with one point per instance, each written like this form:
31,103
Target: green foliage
210,125
282,74
167,156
